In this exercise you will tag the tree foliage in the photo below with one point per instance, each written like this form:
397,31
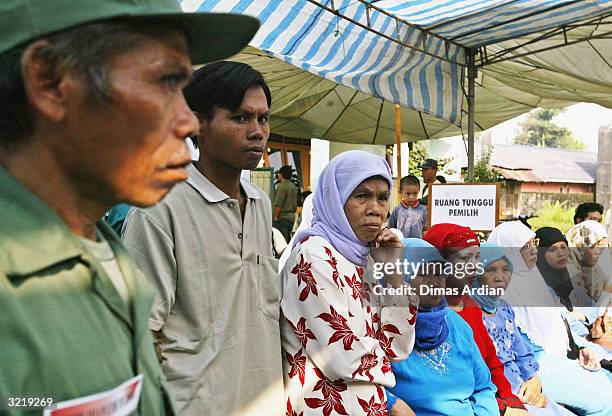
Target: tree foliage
485,173
539,129
418,154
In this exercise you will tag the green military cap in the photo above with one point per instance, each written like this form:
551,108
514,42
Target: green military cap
213,36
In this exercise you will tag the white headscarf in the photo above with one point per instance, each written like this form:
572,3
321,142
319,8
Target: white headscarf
528,294
307,211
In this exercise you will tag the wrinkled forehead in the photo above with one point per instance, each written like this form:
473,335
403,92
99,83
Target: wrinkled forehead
466,252
373,184
499,263
170,43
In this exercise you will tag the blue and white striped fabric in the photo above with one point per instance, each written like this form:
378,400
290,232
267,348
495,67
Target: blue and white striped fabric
307,36
474,23
423,72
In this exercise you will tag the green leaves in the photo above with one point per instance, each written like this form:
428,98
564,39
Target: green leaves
539,129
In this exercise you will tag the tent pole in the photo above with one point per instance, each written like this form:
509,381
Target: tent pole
472,73
398,144
266,158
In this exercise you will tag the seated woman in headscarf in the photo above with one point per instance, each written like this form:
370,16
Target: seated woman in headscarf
587,241
520,365
339,337
584,322
460,246
575,383
444,374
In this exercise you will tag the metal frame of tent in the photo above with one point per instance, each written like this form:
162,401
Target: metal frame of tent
507,47
478,57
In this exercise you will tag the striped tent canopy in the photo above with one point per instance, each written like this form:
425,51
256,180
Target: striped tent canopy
336,67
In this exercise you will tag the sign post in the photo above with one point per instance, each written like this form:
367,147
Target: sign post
474,205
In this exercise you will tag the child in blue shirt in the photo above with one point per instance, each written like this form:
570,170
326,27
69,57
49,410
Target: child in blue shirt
410,216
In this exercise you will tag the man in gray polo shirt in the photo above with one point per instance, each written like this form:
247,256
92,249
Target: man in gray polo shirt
207,248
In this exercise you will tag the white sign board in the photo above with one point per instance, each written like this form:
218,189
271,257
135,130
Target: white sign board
470,205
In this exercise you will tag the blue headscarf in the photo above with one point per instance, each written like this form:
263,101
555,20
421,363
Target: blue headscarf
338,180
418,251
489,253
431,328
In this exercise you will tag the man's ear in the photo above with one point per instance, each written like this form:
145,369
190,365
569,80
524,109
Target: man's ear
45,89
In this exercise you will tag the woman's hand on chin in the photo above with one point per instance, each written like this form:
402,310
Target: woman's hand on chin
386,238
388,248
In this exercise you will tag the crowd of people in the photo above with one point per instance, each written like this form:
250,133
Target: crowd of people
185,309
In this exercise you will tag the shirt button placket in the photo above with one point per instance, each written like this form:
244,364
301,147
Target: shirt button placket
230,205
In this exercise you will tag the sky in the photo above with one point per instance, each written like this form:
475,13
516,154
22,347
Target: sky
582,119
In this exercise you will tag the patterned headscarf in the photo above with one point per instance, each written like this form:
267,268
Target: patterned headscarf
586,234
338,180
582,236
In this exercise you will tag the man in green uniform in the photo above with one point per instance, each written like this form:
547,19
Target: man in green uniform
285,202
91,114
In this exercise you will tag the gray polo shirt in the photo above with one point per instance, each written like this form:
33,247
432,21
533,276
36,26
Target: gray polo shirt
218,300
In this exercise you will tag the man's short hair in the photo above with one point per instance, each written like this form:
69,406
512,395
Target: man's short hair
582,210
286,172
88,50
222,84
409,180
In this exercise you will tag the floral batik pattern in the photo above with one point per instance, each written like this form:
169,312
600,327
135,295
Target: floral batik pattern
338,337
514,353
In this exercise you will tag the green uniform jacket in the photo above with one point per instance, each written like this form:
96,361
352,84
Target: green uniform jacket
64,330
286,199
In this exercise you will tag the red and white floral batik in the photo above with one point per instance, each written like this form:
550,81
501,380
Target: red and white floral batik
338,337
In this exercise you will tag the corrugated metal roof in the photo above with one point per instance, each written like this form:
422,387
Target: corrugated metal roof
545,164
521,175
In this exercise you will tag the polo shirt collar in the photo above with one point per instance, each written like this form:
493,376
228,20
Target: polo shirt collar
32,235
210,192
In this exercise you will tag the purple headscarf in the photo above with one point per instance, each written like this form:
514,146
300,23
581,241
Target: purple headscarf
337,181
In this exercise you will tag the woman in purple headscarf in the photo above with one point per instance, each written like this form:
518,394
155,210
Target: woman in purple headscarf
339,336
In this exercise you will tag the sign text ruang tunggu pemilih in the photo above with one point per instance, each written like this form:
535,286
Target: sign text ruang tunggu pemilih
470,205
